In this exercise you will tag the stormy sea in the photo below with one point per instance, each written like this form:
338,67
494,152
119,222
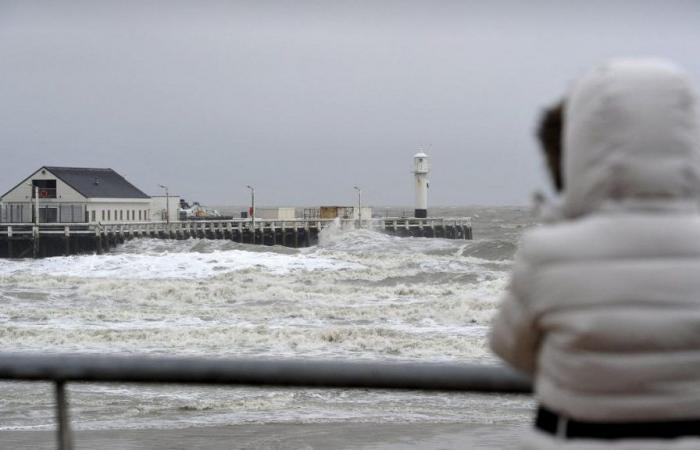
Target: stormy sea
358,295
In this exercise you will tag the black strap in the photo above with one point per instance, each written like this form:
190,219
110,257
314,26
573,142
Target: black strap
549,421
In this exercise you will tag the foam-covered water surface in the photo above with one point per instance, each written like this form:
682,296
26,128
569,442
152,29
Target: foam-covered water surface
358,294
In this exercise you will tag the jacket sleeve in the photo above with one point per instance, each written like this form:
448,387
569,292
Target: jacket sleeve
515,335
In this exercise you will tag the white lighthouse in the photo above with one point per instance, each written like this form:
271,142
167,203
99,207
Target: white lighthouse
421,167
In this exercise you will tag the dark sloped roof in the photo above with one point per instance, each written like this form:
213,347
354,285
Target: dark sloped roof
97,183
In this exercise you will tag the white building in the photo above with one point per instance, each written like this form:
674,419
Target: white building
75,195
162,207
275,213
344,212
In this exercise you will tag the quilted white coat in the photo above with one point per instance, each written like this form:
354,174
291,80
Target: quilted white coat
604,305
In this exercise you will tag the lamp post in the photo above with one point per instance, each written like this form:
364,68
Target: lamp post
252,209
359,204
36,202
167,204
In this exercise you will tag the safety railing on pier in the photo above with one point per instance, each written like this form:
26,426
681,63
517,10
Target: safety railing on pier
18,240
116,227
61,369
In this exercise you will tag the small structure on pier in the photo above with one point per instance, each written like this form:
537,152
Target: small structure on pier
74,195
283,213
421,169
344,212
165,208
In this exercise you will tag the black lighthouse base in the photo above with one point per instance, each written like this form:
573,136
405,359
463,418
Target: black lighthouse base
421,213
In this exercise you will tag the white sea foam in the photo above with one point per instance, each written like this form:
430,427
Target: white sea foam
359,294
168,265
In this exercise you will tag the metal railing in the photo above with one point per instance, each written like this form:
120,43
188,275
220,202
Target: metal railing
221,225
63,368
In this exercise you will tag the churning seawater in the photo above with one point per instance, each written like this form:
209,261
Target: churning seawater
359,294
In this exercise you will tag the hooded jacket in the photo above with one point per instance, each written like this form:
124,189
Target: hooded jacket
603,308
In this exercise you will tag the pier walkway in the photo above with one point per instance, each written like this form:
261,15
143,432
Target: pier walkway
23,240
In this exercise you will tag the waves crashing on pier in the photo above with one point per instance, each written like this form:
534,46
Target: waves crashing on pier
359,294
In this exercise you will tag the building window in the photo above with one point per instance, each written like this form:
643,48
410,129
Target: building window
93,215
121,214
16,213
139,214
103,215
46,188
109,214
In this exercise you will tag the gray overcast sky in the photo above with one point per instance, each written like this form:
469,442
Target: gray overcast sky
305,99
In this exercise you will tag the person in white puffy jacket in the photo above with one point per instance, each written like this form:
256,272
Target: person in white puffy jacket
603,308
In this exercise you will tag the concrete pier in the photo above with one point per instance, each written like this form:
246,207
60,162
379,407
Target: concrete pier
19,240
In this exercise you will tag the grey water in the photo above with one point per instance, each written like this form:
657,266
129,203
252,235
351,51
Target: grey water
359,294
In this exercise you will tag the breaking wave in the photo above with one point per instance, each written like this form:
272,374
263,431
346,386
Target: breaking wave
358,294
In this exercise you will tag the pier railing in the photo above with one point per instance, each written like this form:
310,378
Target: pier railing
387,223
19,240
63,368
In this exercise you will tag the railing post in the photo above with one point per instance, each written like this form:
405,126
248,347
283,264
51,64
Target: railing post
65,441
66,240
35,241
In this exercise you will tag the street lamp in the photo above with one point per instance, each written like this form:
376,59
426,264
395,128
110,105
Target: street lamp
167,204
36,202
252,207
359,204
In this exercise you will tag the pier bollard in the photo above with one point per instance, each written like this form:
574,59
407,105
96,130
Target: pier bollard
35,242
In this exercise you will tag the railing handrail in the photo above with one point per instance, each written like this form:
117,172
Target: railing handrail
244,221
262,372
63,368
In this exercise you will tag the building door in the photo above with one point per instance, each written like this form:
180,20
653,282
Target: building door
48,214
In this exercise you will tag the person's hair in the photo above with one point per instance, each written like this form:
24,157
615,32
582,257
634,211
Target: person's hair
550,135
